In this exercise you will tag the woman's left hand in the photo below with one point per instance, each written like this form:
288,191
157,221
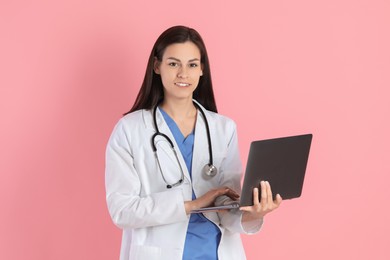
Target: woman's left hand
262,207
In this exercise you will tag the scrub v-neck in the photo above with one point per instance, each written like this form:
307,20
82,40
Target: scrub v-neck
203,236
186,144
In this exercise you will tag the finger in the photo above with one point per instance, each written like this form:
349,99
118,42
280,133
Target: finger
222,191
278,200
246,208
233,195
229,192
256,196
263,193
269,193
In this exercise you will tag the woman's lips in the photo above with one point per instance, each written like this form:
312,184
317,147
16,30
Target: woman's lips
181,84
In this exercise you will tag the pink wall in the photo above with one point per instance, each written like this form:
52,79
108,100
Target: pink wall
70,68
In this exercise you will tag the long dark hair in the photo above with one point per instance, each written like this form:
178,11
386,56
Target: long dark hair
151,92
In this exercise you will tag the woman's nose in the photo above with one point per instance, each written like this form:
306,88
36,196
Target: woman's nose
182,73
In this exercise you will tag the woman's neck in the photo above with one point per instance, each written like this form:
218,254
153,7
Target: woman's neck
179,109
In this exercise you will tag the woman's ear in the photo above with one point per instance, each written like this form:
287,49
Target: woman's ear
156,66
201,69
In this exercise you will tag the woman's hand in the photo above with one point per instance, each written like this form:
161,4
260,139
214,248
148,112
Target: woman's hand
262,207
208,198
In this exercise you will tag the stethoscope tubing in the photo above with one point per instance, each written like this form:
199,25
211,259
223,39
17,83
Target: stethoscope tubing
169,139
208,134
209,169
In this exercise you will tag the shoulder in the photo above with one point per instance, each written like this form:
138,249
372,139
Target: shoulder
132,122
216,118
221,124
135,119
220,119
132,117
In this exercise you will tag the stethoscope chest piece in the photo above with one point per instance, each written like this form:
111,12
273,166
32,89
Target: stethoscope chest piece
210,170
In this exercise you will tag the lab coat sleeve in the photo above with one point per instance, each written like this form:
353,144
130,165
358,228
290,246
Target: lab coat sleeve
127,208
232,169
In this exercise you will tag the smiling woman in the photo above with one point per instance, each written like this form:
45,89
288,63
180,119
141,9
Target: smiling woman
180,71
152,187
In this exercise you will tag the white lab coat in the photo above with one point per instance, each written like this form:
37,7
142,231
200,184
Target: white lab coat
152,217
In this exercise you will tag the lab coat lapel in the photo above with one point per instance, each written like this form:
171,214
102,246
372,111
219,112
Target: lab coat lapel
200,152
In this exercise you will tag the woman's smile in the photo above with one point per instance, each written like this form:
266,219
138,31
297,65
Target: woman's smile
182,84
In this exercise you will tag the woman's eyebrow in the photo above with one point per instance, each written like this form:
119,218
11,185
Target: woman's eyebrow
172,58
175,59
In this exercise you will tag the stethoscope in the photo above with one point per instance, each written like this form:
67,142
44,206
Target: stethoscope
209,170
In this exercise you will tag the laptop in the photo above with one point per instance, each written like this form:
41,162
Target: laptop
280,161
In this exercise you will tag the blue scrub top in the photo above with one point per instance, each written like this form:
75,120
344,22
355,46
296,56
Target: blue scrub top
203,236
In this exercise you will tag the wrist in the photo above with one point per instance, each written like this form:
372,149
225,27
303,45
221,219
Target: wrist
248,216
250,223
189,206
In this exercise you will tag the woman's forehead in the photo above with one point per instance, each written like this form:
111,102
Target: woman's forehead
182,51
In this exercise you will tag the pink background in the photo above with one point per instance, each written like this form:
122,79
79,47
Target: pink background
70,68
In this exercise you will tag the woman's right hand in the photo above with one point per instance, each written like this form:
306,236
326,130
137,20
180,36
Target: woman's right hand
208,198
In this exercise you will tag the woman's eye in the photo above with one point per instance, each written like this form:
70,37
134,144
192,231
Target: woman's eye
173,64
193,65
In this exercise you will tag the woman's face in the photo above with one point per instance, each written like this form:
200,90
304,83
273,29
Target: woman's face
180,70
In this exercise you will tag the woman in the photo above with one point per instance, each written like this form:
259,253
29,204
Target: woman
171,154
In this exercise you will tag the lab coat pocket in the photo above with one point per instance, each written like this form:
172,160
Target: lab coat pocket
155,253
145,252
